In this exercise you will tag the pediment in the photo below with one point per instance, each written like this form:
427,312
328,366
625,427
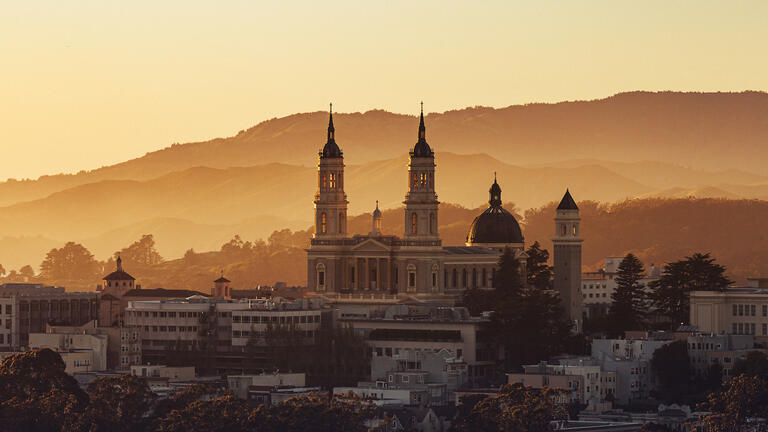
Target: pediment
370,245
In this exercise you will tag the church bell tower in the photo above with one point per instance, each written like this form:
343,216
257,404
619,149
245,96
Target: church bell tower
567,259
330,199
421,200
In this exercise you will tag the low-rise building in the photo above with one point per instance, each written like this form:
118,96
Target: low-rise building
223,333
169,373
704,350
80,352
240,384
736,311
408,329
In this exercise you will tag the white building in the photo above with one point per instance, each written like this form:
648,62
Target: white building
738,311
80,352
598,287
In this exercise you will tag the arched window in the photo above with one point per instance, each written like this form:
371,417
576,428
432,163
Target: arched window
411,277
341,221
431,223
435,269
325,180
320,276
323,223
333,181
423,179
414,223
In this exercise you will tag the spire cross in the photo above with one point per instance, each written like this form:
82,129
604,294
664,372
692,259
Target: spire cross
494,176
331,109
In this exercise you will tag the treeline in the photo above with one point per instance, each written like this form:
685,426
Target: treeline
657,231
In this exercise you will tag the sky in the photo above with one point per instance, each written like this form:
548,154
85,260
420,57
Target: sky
85,84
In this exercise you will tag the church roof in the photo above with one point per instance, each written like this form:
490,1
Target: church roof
567,203
495,224
118,274
222,280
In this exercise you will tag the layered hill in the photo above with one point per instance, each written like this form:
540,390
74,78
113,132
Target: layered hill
712,131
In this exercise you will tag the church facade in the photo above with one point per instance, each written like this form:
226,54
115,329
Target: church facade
412,266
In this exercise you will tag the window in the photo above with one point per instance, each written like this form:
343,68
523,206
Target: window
734,329
741,310
414,223
431,223
341,219
735,310
752,309
323,223
325,180
562,229
454,278
574,230
464,278
411,277
321,278
434,279
333,180
765,310
485,278
765,329
415,180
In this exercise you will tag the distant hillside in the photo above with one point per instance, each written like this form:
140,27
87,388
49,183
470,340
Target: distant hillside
712,131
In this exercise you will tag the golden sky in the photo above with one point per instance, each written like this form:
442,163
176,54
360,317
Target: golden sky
91,83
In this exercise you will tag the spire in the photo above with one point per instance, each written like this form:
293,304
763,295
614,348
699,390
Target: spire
331,149
422,128
567,203
421,149
119,263
495,193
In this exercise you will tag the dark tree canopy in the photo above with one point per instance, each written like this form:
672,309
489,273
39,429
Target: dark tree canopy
140,254
672,368
537,265
698,272
755,363
515,408
745,398
628,305
71,262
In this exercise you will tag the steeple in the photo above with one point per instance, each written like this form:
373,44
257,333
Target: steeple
495,193
422,128
567,203
331,149
119,264
422,149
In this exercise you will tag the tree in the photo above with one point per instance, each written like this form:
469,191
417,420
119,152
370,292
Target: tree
27,272
225,414
755,363
744,399
507,280
37,394
528,322
141,253
515,408
315,413
2,270
119,403
697,272
628,305
672,368
539,271
71,262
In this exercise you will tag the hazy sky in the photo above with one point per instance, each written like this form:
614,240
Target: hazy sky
90,83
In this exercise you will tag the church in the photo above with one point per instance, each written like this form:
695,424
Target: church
415,266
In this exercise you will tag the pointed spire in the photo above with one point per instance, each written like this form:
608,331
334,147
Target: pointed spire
567,203
119,263
331,149
331,129
422,128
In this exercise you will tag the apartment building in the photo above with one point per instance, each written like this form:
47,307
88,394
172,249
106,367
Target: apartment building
598,287
80,352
